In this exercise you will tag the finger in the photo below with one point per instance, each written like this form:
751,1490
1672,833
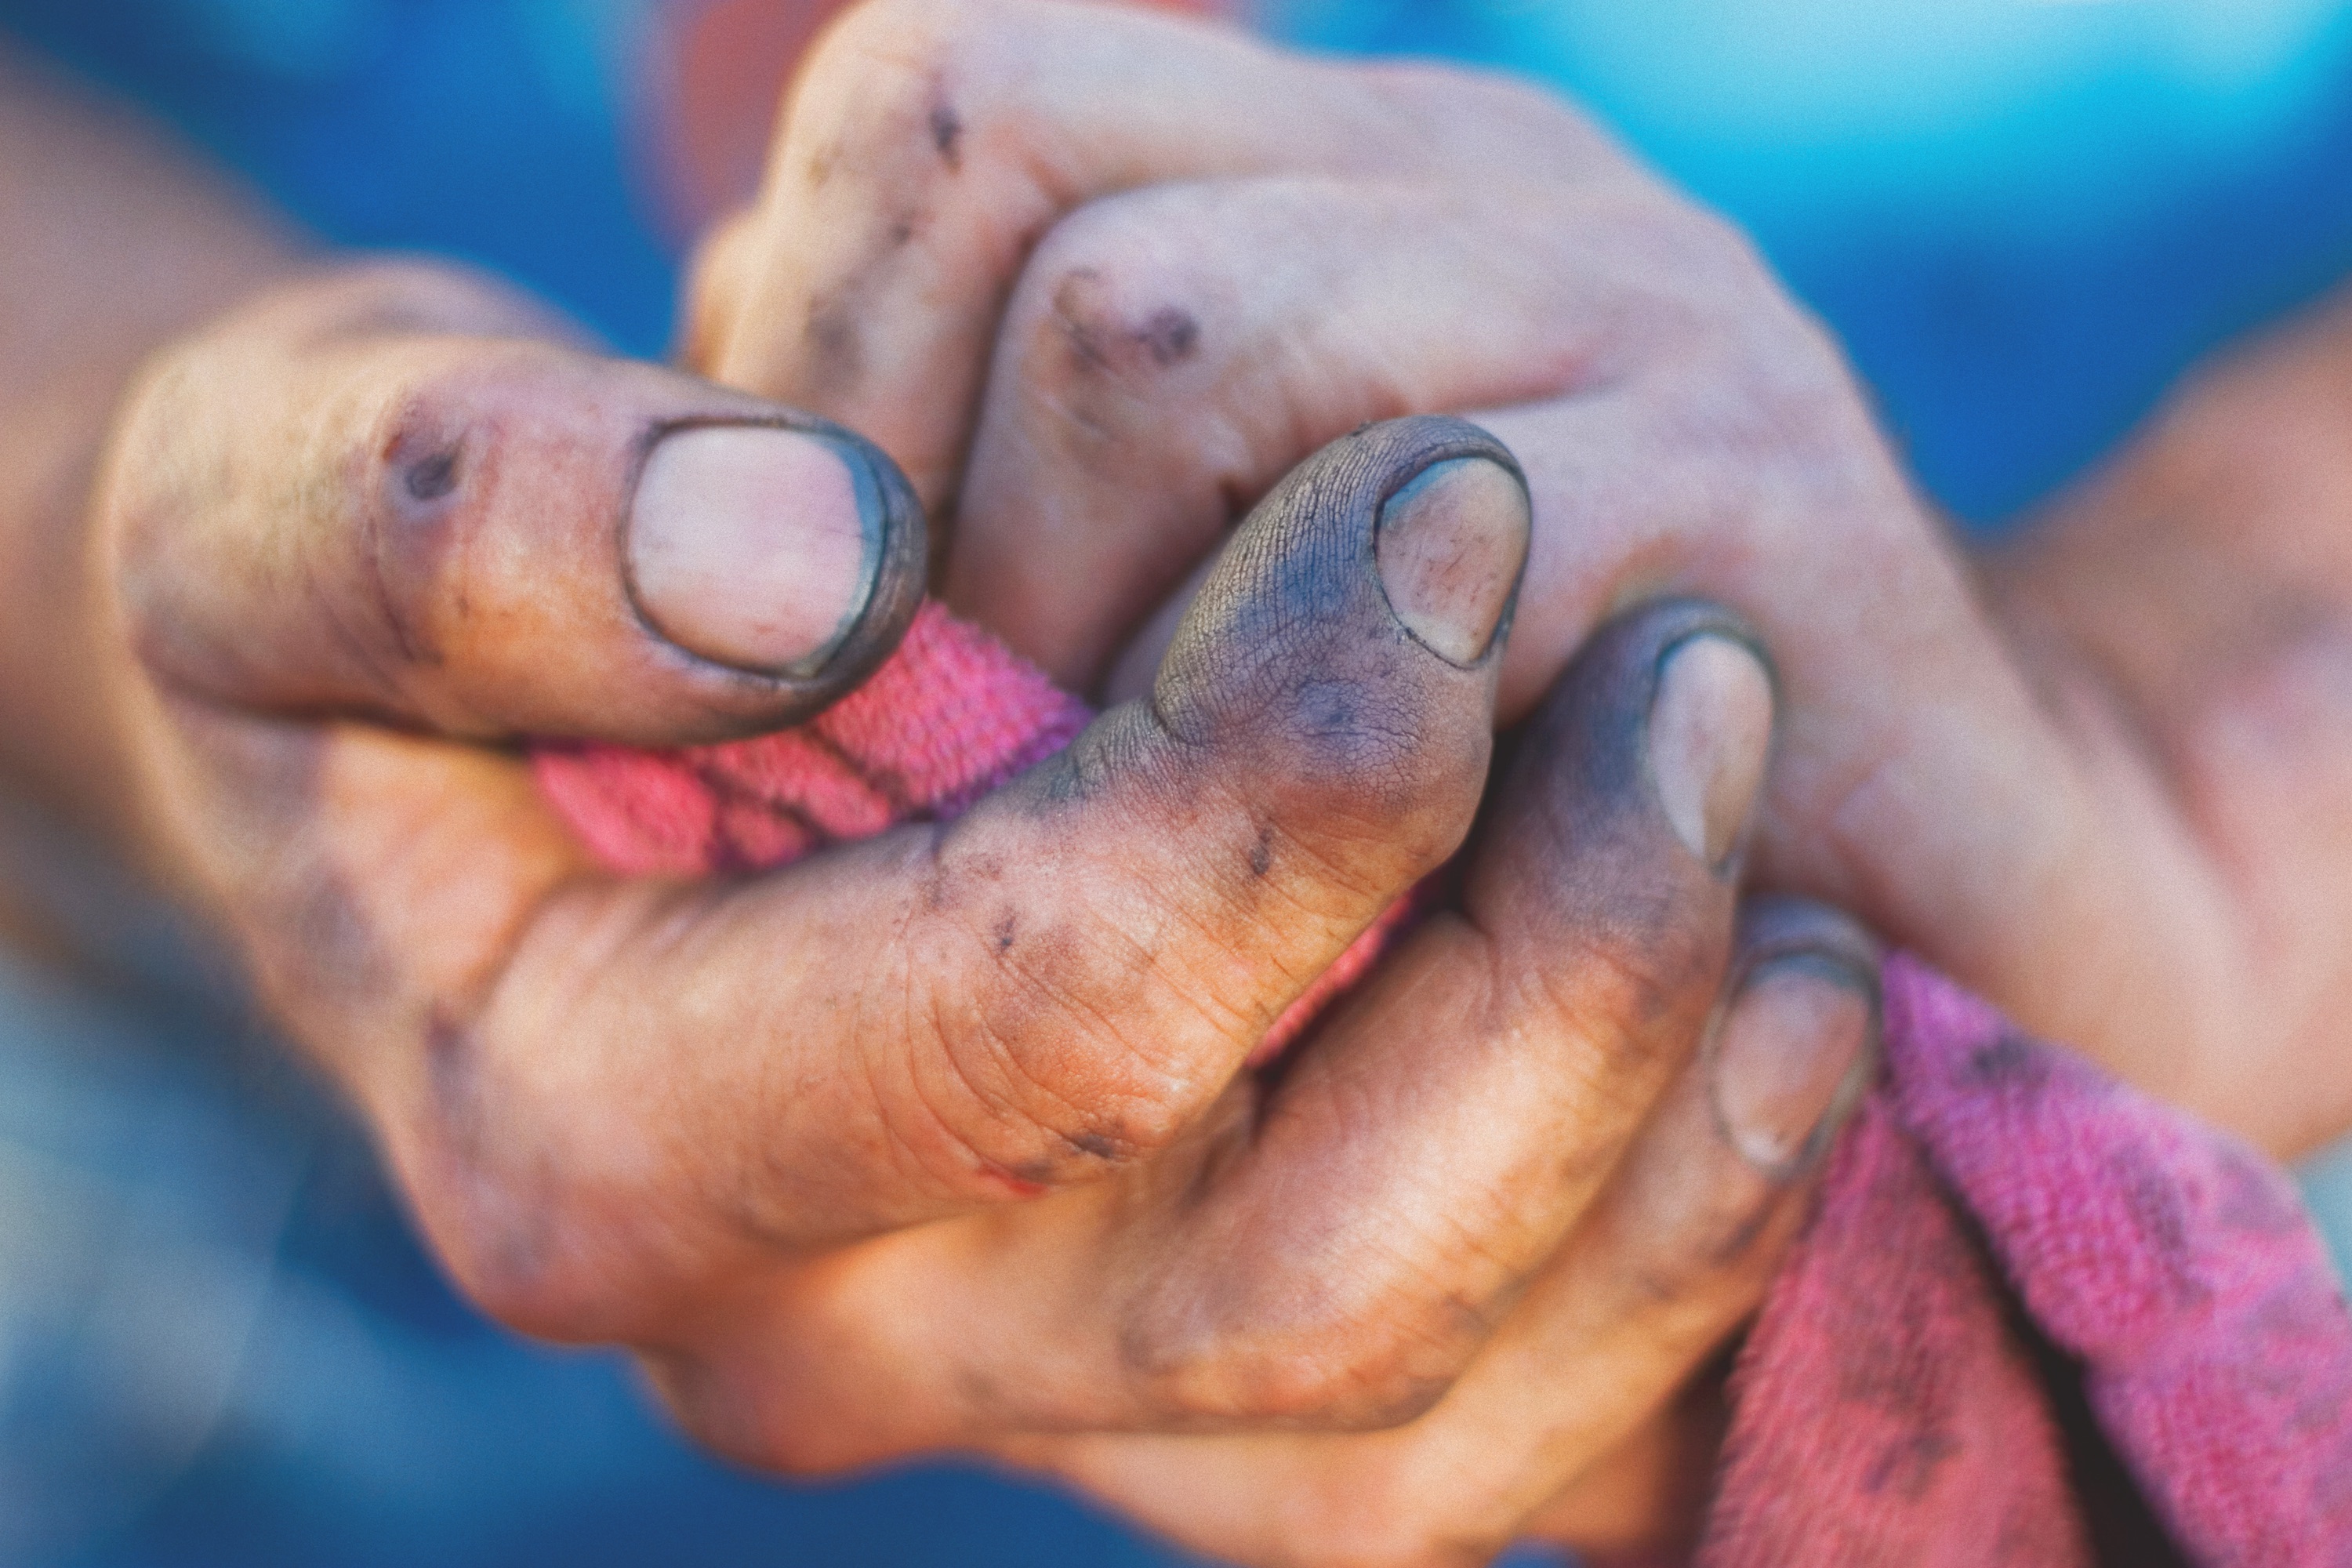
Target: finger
1676,1253
640,1094
1729,457
1902,701
400,494
1154,368
1460,1115
1682,1249
1330,1249
719,280
927,146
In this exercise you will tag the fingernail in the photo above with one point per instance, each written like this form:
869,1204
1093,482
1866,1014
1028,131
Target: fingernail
1450,545
755,546
1792,1057
1710,735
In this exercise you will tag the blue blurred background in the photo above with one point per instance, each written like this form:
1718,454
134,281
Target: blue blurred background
219,1344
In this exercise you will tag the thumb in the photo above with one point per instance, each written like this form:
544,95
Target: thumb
403,494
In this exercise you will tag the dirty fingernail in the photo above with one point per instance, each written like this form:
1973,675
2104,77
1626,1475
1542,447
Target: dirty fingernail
1710,735
1792,1055
755,546
1450,545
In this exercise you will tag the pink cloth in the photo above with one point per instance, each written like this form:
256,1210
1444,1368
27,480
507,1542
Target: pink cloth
2036,1319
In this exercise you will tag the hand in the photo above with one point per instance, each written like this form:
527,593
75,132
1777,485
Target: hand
1168,261
974,1164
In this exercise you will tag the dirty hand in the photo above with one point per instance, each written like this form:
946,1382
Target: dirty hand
944,1139
1096,278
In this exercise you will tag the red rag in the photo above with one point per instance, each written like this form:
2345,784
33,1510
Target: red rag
1889,1405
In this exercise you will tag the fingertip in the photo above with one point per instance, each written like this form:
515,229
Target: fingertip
791,551
1451,545
1664,726
757,546
1799,1036
1710,734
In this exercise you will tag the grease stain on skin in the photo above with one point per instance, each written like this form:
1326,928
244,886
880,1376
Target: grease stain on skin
836,347
1094,1144
1172,336
432,476
946,134
1080,323
1100,341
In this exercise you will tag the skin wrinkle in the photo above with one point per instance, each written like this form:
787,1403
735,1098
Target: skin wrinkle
1063,1000
1334,859
1375,1117
1007,1044
1242,911
929,1002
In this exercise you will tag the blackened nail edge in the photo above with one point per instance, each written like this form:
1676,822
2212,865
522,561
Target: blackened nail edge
892,579
873,524
1835,968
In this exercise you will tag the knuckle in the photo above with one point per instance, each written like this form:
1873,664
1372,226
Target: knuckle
887,73
1103,317
1685,278
1689,277
1739,373
412,495
1711,251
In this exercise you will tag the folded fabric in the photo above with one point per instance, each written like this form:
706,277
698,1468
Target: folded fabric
2037,1319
